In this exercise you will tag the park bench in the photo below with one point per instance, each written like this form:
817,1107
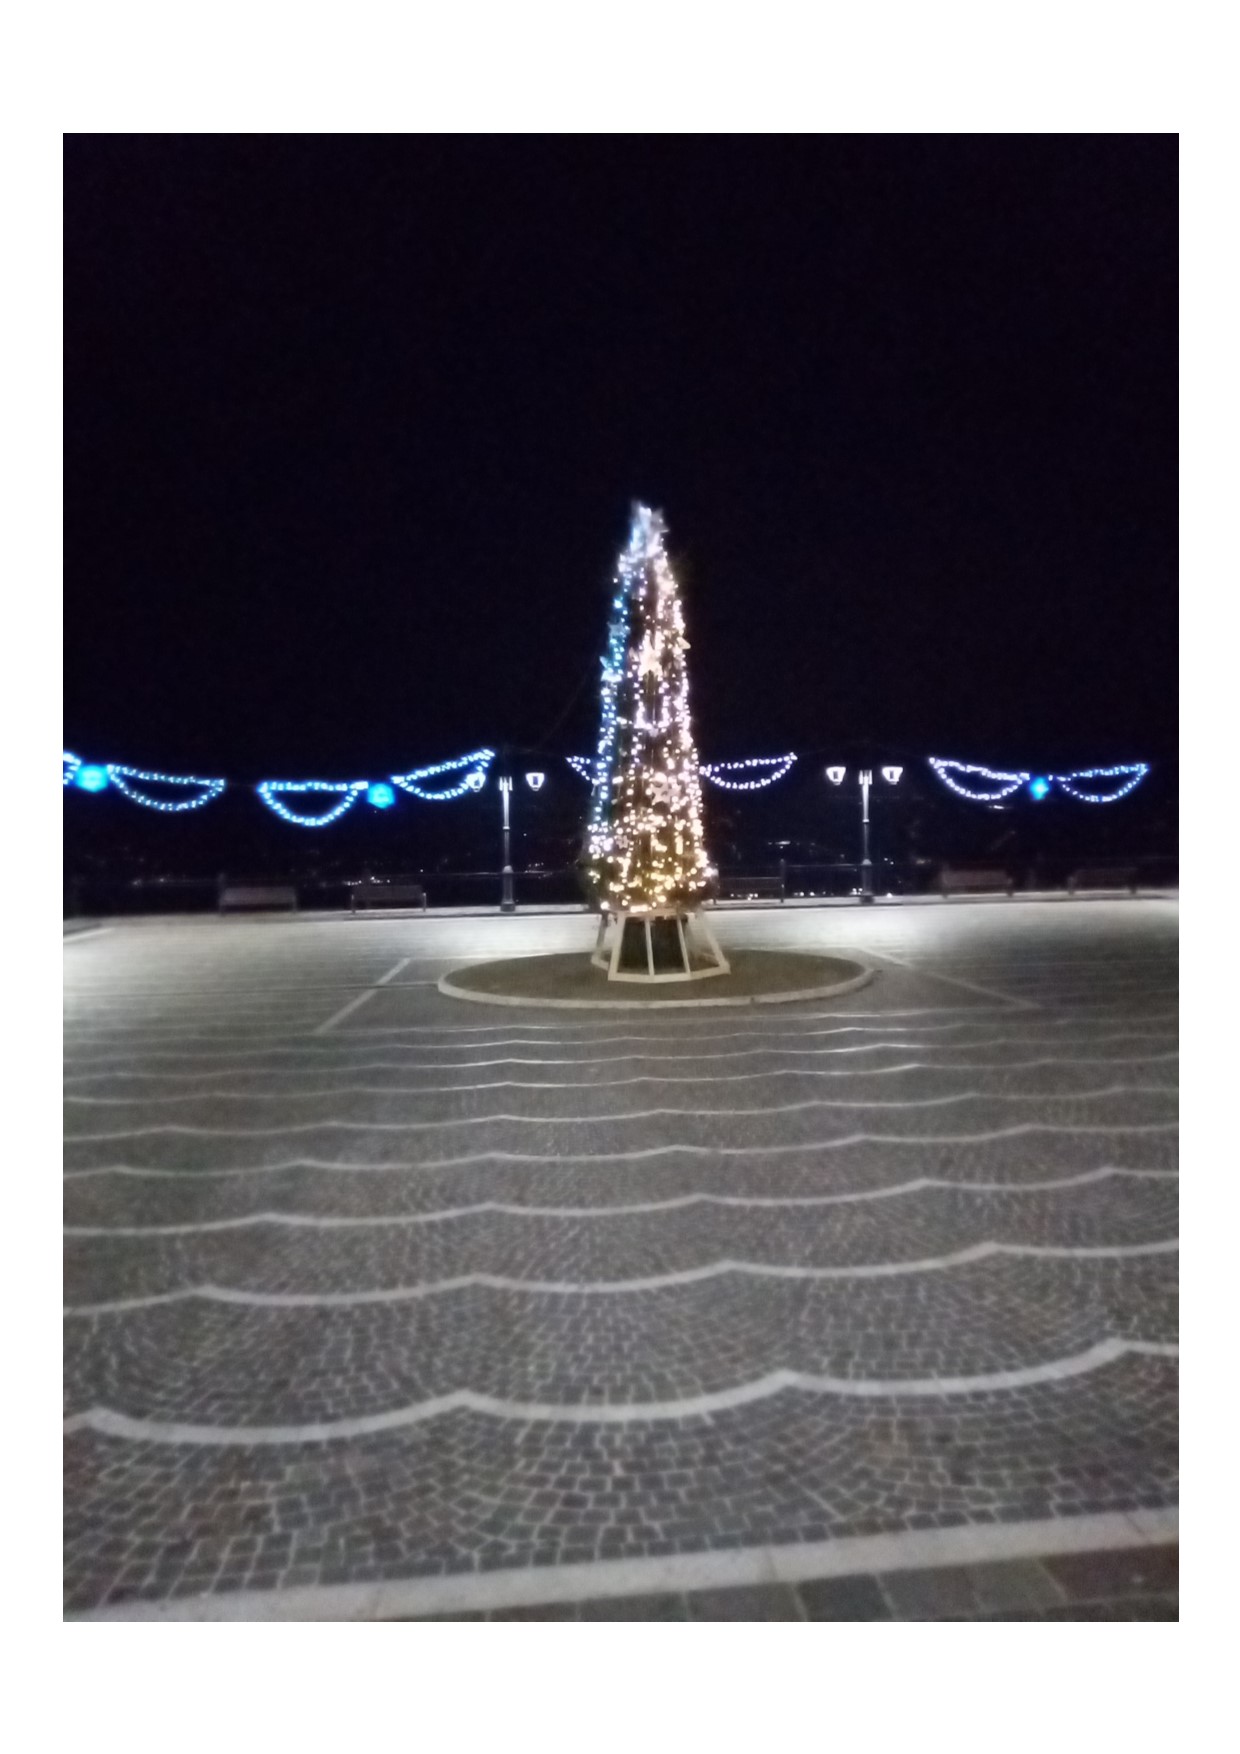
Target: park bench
731,887
257,895
1103,877
372,894
973,879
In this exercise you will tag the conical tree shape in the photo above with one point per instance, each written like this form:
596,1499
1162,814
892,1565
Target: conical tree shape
647,849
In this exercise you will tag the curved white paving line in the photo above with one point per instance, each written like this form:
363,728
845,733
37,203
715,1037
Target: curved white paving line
641,1154
979,1251
374,1033
342,1044
336,1124
419,1090
128,1075
681,1202
108,1422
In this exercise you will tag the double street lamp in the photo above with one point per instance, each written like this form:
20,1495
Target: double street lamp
865,776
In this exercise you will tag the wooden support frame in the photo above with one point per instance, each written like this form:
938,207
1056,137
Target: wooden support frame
692,934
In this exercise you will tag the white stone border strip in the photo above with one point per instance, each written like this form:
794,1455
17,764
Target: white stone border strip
506,1209
965,1257
108,1422
338,1124
642,1154
836,990
537,1586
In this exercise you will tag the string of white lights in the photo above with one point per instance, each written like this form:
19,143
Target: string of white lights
1006,782
1132,774
776,766
71,764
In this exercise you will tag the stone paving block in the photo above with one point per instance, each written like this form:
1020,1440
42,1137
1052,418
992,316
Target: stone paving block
1126,1571
669,1607
756,1602
844,1598
1015,1583
930,1595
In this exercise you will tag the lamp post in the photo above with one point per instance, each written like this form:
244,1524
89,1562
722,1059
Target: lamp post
867,869
507,904
865,775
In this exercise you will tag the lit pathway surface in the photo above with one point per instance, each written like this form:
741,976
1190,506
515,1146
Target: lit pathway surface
381,1303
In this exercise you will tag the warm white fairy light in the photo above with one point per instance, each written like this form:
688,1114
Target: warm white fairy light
647,848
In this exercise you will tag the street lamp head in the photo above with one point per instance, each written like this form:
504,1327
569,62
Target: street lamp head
836,775
534,781
892,775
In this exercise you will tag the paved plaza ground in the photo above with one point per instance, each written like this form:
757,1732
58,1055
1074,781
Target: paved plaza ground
383,1304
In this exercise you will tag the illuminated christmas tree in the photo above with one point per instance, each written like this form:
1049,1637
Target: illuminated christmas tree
646,845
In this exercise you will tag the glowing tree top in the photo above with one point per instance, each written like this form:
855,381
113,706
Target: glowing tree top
647,849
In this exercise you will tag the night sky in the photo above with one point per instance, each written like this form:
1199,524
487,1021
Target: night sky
352,426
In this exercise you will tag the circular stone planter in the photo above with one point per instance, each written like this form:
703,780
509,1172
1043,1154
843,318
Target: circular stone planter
569,982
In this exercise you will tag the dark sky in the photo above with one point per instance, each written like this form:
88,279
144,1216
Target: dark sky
352,425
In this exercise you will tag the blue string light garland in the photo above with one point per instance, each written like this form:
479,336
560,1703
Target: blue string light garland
759,771
346,793
473,780
122,778
1039,785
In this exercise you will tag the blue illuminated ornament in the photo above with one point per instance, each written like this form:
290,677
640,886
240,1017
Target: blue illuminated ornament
123,778
473,781
91,779
582,766
1039,787
381,796
751,775
69,766
345,792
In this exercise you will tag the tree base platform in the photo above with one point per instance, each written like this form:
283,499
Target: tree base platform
572,982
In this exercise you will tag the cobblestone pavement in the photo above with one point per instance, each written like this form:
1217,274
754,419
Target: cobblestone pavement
368,1287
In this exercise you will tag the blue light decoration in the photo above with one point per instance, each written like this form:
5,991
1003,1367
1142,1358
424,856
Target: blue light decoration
123,778
1129,776
758,771
69,766
381,795
1002,785
631,565
345,792
90,777
582,766
473,781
